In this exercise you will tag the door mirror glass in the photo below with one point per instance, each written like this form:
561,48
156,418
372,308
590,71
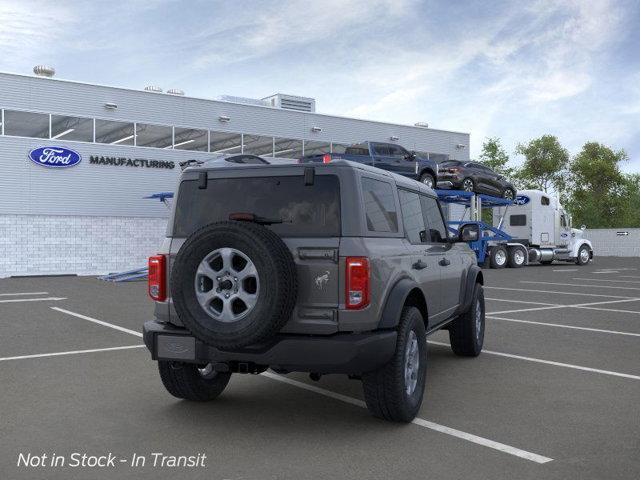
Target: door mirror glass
469,232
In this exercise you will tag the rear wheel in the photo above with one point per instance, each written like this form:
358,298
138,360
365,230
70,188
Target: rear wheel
395,391
508,194
192,382
468,185
517,257
466,333
498,258
428,180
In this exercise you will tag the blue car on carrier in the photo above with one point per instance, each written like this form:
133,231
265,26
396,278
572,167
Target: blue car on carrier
387,156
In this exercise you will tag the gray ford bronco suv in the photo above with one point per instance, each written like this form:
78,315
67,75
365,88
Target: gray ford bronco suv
329,268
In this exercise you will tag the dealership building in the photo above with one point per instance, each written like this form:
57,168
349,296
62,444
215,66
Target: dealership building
77,161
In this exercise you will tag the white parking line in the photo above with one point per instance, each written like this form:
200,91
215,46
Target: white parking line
557,293
99,322
72,352
577,305
23,293
528,309
45,299
604,280
549,362
485,442
519,301
578,285
559,325
566,269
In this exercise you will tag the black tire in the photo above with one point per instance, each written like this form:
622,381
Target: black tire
185,380
498,257
385,391
466,332
428,179
579,258
515,260
468,185
509,193
276,290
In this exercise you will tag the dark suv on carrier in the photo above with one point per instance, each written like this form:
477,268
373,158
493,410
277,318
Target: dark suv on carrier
328,268
474,177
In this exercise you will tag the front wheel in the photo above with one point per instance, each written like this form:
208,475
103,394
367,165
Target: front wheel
508,194
468,185
466,333
583,255
192,382
428,180
394,392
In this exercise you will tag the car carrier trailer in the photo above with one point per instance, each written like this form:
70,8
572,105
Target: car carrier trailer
533,228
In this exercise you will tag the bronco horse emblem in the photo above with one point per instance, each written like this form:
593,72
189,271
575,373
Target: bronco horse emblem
321,280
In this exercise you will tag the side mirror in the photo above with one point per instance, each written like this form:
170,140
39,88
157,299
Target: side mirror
469,232
410,156
583,227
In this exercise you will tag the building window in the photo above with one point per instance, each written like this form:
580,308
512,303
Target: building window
312,147
380,206
114,133
191,139
258,145
287,148
26,124
157,136
72,128
224,142
338,147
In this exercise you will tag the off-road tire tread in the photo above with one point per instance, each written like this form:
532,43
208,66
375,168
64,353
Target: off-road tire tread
461,330
382,396
186,382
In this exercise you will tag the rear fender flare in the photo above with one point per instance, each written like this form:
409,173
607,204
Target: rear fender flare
474,275
395,303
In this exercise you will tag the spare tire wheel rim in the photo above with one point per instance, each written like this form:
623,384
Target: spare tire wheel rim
411,363
227,284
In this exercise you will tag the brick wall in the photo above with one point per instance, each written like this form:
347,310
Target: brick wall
51,245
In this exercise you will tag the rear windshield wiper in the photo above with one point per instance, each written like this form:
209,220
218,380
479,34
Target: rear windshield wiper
252,217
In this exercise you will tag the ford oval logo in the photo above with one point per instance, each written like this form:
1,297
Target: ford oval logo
56,157
521,200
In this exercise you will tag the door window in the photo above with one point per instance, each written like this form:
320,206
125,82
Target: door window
436,230
396,151
380,206
381,150
412,216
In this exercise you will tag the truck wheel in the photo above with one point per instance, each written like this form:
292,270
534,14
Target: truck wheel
395,391
508,194
517,257
466,332
428,180
498,258
583,255
234,284
188,381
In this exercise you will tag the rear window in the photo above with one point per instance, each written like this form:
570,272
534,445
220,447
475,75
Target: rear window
380,206
305,210
357,150
450,163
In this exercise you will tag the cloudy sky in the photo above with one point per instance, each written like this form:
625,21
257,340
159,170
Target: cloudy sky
515,70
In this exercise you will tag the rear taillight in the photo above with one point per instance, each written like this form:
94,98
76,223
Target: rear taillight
454,170
326,158
357,282
157,278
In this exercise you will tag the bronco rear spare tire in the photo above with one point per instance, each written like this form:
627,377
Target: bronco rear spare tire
234,284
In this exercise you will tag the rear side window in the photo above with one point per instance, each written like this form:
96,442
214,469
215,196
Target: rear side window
517,220
437,232
381,149
412,216
357,151
380,206
305,210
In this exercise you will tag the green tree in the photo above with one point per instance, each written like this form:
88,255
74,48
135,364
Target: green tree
545,164
495,157
631,200
599,191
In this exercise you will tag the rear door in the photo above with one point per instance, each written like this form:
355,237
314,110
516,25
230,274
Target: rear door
447,258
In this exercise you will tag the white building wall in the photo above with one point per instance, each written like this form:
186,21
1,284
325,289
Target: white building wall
54,244
612,242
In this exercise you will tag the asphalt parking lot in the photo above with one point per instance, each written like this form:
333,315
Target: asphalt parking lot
555,394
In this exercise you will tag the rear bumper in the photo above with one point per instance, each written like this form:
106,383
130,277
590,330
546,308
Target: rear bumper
340,353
